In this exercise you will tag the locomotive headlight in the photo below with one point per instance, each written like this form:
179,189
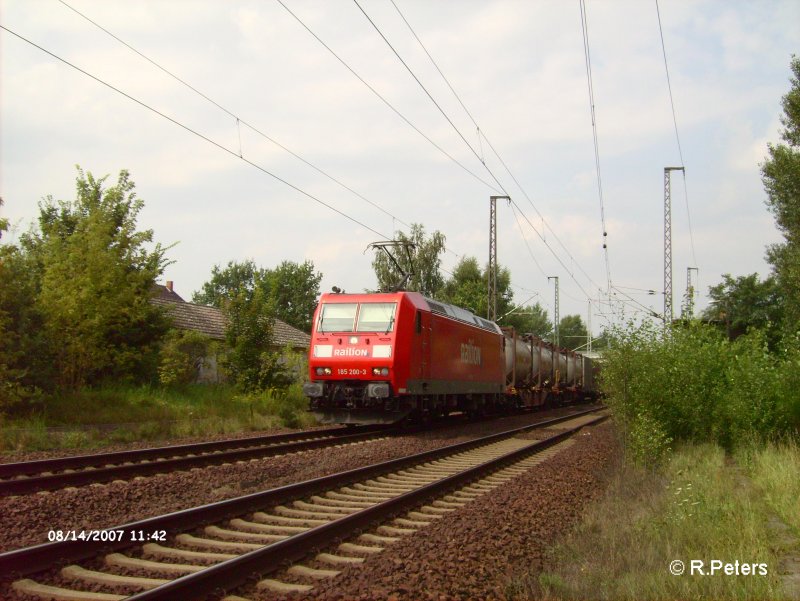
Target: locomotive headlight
353,339
380,371
324,371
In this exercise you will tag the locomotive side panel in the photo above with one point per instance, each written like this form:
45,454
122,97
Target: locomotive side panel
463,359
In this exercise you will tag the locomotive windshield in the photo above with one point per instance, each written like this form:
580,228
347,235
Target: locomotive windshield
372,317
376,317
337,317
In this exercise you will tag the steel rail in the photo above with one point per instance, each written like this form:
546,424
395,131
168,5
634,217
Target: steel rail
28,560
225,576
161,464
10,470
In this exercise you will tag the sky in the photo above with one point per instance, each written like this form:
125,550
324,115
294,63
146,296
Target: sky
212,167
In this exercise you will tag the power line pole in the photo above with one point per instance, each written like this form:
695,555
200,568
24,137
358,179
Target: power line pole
689,293
555,310
491,305
668,315
589,328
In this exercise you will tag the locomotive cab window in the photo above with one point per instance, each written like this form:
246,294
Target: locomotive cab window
376,317
337,317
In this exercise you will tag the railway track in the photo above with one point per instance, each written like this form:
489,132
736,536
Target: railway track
51,474
217,547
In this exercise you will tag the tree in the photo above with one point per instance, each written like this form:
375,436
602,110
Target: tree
25,356
572,333
229,282
291,288
468,288
531,319
248,335
781,178
603,341
96,281
424,263
182,355
745,302
3,221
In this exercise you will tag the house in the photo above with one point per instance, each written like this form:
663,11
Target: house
211,322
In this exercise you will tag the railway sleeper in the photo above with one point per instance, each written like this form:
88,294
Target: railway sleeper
375,538
159,551
366,494
382,489
385,484
79,574
288,520
355,548
334,498
422,516
240,524
133,563
268,584
332,558
337,510
394,530
216,545
239,535
316,574
450,504
259,526
359,498
302,514
32,588
419,523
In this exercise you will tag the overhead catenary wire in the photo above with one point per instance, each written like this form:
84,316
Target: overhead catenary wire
406,120
589,79
384,100
430,96
677,135
482,134
239,154
239,120
192,131
354,73
207,139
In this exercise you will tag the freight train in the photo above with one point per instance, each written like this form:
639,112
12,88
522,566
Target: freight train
387,357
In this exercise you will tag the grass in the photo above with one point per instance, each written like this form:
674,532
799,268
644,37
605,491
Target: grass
774,470
700,506
120,414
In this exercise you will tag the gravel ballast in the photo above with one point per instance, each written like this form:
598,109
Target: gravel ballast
477,551
26,520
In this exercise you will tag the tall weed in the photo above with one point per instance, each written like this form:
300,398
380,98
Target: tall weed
691,383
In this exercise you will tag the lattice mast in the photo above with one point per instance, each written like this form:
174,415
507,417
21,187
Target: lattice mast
556,318
689,306
491,276
668,313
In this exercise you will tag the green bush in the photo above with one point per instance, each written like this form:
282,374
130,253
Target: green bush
648,443
691,383
182,354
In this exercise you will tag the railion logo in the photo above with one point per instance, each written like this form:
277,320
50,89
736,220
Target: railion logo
470,353
350,352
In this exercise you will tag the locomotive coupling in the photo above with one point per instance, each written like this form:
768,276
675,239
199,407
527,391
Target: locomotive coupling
313,390
378,390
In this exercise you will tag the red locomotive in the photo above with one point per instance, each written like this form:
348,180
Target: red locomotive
379,358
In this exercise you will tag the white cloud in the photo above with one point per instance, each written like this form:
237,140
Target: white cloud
517,65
